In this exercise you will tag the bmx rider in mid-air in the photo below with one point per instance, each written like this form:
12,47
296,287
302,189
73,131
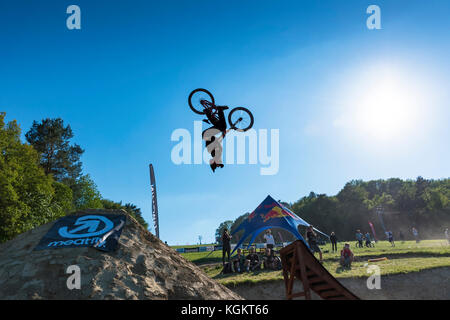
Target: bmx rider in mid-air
213,144
239,119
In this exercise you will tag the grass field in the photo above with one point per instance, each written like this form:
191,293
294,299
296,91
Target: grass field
192,245
405,257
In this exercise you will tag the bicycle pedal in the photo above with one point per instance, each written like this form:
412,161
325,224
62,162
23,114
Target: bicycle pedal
207,121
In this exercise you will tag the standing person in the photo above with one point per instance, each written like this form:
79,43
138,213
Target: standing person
226,247
415,233
311,237
447,235
359,238
391,238
333,240
368,240
270,241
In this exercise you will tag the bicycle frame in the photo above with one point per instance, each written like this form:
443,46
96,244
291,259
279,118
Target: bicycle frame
209,106
212,108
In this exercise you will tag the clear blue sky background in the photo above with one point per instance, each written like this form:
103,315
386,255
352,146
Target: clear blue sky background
122,83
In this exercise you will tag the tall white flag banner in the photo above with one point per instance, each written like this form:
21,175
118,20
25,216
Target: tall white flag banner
154,201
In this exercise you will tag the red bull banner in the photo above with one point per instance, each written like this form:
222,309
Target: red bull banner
373,230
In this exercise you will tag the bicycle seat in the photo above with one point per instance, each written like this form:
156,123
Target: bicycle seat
222,107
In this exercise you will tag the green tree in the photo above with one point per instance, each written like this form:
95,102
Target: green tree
219,231
28,197
421,202
237,236
61,159
133,210
136,213
86,194
51,138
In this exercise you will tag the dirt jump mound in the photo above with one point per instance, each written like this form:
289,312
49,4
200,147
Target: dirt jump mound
140,267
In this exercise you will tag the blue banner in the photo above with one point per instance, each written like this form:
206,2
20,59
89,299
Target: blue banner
100,231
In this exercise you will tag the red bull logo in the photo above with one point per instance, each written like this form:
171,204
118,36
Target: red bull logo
275,212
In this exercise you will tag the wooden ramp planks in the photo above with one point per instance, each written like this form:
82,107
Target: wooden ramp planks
298,262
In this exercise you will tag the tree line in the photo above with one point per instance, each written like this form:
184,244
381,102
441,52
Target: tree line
420,203
42,180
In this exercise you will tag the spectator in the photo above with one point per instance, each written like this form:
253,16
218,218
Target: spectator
270,241
311,237
415,233
226,247
391,238
269,259
346,257
368,240
359,238
252,261
238,262
333,240
447,235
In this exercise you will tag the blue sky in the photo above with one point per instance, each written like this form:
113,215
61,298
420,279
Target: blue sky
311,69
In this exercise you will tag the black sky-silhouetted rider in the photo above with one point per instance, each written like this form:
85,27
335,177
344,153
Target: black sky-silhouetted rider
213,143
201,101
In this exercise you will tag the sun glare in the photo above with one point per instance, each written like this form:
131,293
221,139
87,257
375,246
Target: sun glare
385,106
387,109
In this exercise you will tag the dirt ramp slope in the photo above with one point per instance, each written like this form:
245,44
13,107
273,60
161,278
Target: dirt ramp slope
141,268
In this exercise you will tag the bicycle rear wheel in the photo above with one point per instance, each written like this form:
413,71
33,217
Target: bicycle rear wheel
199,99
240,119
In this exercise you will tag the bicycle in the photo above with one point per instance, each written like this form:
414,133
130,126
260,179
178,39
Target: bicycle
202,101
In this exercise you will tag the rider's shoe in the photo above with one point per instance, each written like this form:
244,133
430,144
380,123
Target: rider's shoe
213,166
220,165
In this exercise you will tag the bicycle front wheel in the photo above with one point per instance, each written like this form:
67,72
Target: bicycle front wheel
240,119
199,99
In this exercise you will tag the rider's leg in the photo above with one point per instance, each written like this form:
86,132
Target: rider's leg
214,145
218,155
212,163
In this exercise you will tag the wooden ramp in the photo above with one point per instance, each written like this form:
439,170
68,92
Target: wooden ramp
298,262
